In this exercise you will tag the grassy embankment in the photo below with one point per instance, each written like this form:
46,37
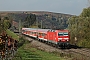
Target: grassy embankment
27,52
13,35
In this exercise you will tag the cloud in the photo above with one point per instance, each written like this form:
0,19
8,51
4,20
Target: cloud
65,6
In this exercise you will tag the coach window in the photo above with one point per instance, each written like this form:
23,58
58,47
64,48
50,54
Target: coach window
39,34
34,32
43,34
30,32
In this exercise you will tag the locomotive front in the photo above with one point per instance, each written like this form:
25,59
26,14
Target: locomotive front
63,38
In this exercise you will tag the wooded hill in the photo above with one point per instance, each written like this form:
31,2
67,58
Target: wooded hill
41,18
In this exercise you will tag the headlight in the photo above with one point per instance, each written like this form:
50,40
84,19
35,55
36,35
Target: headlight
67,40
59,40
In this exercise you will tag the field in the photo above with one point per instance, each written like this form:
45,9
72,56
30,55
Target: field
27,52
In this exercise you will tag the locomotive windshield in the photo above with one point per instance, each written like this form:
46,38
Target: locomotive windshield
62,34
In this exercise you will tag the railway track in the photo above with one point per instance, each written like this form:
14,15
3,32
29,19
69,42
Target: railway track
84,52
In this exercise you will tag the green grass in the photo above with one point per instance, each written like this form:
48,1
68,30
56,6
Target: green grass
26,52
13,35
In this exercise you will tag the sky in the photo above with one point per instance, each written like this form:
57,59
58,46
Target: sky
73,7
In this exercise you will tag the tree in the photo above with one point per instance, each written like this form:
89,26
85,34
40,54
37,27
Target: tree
4,24
79,27
73,27
29,20
86,12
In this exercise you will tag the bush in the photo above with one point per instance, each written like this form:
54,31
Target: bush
84,43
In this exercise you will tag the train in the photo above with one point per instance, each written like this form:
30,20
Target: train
59,38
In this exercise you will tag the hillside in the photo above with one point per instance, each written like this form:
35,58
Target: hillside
45,19
52,20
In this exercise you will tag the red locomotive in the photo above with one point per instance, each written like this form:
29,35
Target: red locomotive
59,38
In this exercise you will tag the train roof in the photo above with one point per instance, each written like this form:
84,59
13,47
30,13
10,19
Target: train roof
62,30
43,30
36,29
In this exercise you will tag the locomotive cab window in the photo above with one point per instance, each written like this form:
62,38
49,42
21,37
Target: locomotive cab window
63,34
60,34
